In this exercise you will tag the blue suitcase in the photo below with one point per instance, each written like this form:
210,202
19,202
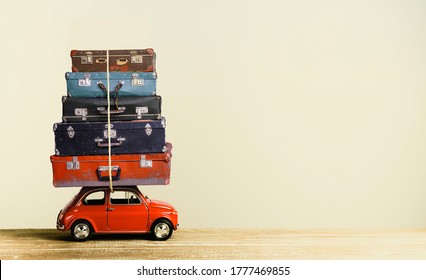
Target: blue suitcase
126,137
94,84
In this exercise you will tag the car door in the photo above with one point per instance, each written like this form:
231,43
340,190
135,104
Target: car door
126,212
93,206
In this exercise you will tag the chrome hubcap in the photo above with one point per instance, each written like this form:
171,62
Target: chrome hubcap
161,230
81,231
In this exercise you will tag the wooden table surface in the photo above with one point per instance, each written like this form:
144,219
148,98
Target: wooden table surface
216,244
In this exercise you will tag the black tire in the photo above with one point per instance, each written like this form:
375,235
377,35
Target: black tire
161,230
81,230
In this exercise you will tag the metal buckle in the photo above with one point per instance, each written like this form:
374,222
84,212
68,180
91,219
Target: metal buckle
137,82
74,164
145,163
140,111
81,112
113,133
87,59
86,82
135,58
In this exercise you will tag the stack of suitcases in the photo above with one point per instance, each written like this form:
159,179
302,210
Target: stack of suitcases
123,145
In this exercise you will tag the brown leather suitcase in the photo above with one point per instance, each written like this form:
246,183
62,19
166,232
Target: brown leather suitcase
138,60
126,170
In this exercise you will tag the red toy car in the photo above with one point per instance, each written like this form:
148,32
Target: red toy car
125,210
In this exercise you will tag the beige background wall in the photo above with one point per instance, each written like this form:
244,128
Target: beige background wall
296,114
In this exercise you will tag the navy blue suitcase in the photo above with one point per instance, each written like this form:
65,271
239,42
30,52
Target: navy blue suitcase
127,137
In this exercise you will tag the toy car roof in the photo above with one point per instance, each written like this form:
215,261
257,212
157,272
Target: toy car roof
85,189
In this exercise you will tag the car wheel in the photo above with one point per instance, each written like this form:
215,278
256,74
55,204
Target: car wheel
81,231
161,230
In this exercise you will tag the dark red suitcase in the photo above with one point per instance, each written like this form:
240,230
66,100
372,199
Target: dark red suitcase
137,60
127,170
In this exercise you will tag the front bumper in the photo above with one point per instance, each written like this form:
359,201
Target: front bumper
59,225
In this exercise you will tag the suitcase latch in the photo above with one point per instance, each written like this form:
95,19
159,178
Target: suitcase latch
145,163
113,133
137,82
81,112
86,82
148,129
140,111
74,164
87,59
135,58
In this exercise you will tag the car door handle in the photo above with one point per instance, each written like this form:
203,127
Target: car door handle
110,209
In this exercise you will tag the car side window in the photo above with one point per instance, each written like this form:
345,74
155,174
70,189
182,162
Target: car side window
95,198
124,197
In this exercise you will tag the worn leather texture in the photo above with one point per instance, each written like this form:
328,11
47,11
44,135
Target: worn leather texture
140,60
94,84
122,108
127,137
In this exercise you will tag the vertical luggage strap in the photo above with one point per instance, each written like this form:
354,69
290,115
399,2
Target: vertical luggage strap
109,125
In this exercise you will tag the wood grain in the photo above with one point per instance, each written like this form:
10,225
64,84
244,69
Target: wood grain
242,244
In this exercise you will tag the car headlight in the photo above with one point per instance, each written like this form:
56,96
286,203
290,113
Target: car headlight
60,215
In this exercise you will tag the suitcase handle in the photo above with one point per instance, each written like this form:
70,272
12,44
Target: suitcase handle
115,168
116,89
105,145
112,112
